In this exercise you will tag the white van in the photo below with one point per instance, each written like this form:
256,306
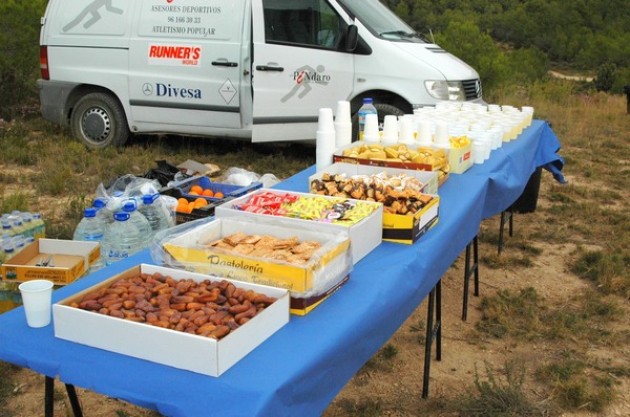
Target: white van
252,69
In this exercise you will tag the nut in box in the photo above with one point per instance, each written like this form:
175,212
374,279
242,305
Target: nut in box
161,308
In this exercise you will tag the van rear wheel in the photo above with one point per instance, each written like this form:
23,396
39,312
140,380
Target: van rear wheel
99,121
382,110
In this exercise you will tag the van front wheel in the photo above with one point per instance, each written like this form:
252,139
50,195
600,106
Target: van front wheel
98,120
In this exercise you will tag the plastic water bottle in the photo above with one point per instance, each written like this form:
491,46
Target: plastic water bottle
138,220
102,211
122,239
7,227
91,229
366,108
27,221
154,213
39,229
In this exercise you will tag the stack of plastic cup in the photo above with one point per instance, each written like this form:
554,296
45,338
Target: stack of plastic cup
390,130
343,125
425,136
371,133
324,139
442,139
405,133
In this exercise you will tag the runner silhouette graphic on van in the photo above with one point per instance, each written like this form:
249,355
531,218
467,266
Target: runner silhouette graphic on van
303,78
92,9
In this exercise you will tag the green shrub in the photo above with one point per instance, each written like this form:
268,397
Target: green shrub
19,52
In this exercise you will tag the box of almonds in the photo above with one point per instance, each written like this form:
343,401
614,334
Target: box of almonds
148,310
308,262
409,198
359,220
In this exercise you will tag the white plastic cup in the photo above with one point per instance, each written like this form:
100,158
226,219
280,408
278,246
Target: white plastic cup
343,134
325,121
324,149
406,131
441,133
37,300
478,152
390,129
425,136
343,112
370,132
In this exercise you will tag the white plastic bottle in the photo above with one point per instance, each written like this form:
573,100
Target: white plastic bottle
138,220
154,213
366,108
121,240
92,229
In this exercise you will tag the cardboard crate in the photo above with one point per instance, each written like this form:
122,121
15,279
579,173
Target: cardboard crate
193,353
330,263
460,159
408,229
407,165
364,235
71,259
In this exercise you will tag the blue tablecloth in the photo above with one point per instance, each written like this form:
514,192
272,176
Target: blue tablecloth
302,367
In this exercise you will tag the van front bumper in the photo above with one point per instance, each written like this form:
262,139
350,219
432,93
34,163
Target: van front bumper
53,96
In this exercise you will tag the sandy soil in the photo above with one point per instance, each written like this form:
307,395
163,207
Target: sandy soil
393,386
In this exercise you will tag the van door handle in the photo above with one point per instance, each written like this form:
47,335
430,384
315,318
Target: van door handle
224,64
268,68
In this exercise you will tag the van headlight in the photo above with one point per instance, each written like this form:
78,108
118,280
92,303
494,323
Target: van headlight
445,90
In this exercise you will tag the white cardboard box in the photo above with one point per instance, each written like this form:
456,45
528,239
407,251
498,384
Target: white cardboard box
428,178
364,236
169,347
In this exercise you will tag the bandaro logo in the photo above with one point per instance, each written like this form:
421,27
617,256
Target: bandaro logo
186,55
303,78
168,90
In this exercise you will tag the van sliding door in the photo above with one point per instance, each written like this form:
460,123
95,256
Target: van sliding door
298,67
185,65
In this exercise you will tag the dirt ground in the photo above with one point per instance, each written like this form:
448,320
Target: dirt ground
395,384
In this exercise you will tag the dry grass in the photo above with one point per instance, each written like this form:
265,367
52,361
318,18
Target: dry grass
589,213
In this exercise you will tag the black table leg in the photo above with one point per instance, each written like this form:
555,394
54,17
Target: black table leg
506,216
49,398
74,401
434,332
471,270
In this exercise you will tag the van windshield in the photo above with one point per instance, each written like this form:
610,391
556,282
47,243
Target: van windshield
381,21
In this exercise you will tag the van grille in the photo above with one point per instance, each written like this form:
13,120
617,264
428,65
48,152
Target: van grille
472,89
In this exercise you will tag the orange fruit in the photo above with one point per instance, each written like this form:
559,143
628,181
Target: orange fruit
199,202
182,200
218,194
183,208
193,193
196,189
208,192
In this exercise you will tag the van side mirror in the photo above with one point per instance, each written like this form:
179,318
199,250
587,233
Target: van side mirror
352,38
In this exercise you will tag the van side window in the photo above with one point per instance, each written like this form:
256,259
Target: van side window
304,23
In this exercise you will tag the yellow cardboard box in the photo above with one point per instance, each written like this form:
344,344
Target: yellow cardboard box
68,260
408,229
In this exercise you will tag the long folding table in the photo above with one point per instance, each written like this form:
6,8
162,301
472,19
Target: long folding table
301,368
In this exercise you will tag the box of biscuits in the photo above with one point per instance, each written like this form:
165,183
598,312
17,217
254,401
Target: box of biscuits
310,263
399,155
